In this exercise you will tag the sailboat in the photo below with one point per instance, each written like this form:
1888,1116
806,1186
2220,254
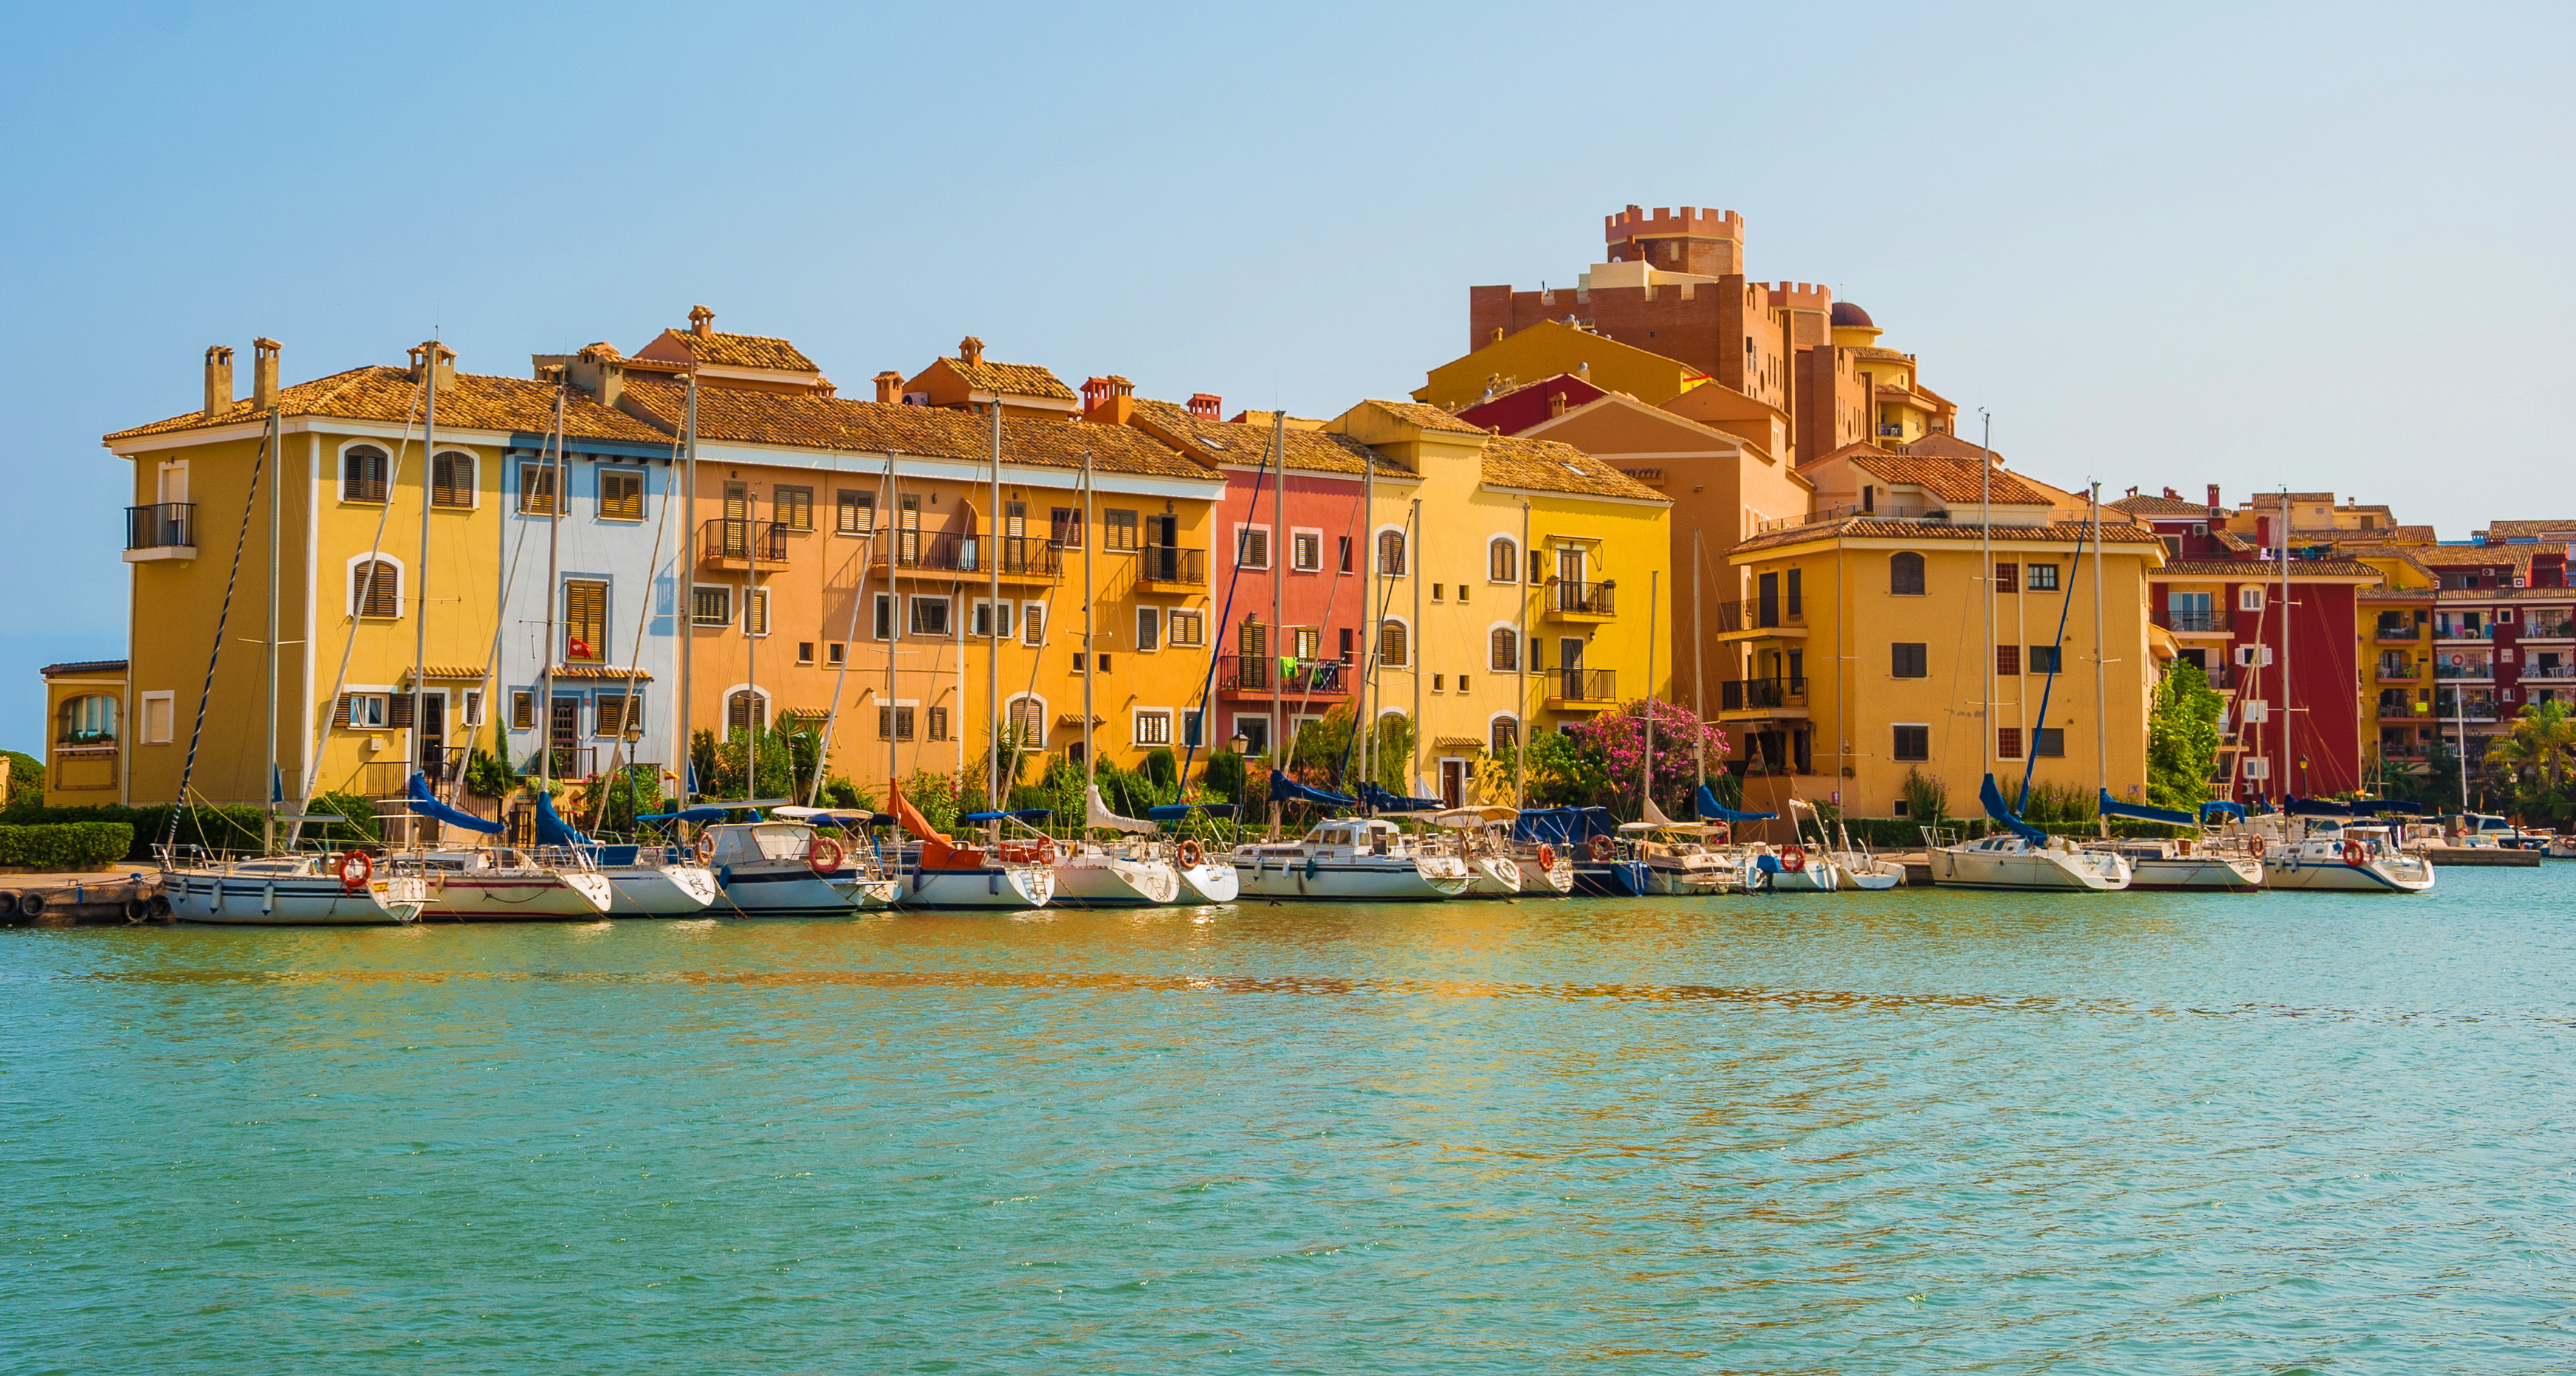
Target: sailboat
2021,857
1345,857
946,874
643,881
2316,844
1677,857
2227,863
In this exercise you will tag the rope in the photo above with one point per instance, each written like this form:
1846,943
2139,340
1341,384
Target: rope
197,733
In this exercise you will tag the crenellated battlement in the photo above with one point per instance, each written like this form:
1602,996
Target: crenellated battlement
1635,223
1801,296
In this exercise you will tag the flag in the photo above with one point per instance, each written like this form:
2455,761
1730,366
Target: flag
580,647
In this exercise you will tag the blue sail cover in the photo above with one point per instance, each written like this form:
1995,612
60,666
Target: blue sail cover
700,815
1563,826
1711,810
2113,807
426,804
1180,812
1379,800
1026,814
1287,790
2220,807
552,830
2318,807
1993,798
2394,805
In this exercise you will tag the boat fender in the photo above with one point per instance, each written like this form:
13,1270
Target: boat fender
1768,864
356,868
2355,854
31,904
724,874
136,909
815,853
8,902
1793,858
1314,865
1601,848
1191,855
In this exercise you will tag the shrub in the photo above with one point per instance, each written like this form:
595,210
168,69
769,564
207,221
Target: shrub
65,845
1925,799
361,824
232,829
26,780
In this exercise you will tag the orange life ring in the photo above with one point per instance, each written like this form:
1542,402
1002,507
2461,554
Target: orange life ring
706,848
1793,858
814,855
1047,853
1546,856
1191,854
2355,854
1601,848
363,864
2255,843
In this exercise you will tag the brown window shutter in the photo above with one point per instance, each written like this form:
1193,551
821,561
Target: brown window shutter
2008,659
348,704
398,711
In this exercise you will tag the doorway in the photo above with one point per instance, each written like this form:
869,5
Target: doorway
1453,782
433,737
1569,665
563,735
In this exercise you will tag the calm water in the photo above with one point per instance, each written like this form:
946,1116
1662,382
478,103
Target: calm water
1907,1132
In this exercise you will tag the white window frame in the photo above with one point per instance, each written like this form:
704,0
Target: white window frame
349,583
1243,528
1923,726
757,598
979,627
2249,599
1404,549
1258,720
473,478
340,472
170,476
1149,630
1491,718
1514,545
1033,615
643,496
1011,706
1298,537
1197,618
1374,642
727,589
912,604
472,710
1136,727
379,699
169,702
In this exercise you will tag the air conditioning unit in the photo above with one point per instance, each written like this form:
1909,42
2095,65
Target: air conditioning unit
2257,768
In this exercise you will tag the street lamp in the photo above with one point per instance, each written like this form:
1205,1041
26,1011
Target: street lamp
1242,745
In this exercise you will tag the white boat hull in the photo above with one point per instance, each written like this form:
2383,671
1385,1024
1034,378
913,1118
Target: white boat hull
2196,872
1110,881
1816,876
1212,881
302,900
1867,874
1391,879
2293,873
520,896
659,890
1493,876
1009,888
1966,867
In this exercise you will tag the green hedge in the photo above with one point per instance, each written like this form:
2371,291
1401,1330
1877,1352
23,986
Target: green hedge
1899,833
66,845
215,828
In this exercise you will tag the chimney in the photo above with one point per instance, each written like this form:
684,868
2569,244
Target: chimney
2172,496
219,380
970,351
2213,496
604,369
1206,405
263,374
1583,370
442,363
1555,404
890,388
702,322
1107,400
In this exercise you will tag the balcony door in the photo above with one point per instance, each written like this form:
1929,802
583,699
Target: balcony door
563,733
433,736
1767,600
1569,564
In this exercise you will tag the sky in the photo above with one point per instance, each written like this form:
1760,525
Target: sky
2254,245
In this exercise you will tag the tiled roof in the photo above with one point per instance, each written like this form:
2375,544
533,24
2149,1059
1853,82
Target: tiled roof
1877,528
1853,450
449,671
2256,570
1427,416
745,351
2162,506
2506,530
2232,541
1941,444
1227,442
82,668
392,396
1548,466
870,427
1952,480
2517,557
1011,379
599,671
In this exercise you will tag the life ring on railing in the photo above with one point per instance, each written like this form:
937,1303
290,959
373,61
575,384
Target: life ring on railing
1601,848
1047,853
705,848
815,851
2356,854
1191,855
364,867
2254,843
1793,858
1546,856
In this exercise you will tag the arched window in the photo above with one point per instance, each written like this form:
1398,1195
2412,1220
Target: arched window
1027,723
1506,658
1506,733
745,709
86,720
375,588
451,479
1390,553
1504,565
1391,644
1905,574
362,474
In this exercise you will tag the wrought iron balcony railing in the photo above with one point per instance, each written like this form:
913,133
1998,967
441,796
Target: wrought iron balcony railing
1762,694
2193,619
163,525
1168,564
1584,685
1258,673
728,537
1588,599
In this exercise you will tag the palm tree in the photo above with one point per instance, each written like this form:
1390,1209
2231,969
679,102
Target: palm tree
2543,739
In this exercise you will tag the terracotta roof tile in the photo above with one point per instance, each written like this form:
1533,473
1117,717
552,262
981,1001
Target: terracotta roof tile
84,668
2518,557
2506,530
1228,442
1941,444
1877,528
2256,570
745,351
2162,506
807,422
392,396
1549,466
1952,480
1011,379
1427,416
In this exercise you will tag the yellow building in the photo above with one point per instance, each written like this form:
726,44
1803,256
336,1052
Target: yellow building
1519,582
1551,347
364,583
88,712
2394,622
1864,655
1906,409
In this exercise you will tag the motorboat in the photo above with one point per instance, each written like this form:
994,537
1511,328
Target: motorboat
506,884
2230,862
863,868
1131,872
940,872
2335,854
2021,856
343,889
1366,859
784,867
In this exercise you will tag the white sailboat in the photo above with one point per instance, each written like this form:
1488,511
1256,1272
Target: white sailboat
788,867
1350,858
2020,857
2337,855
1480,836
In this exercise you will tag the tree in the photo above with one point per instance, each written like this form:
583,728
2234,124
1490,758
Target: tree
2182,738
2536,760
1682,742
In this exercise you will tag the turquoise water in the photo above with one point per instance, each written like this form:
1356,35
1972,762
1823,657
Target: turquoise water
1906,1132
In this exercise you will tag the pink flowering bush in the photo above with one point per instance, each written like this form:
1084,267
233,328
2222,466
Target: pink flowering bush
1597,763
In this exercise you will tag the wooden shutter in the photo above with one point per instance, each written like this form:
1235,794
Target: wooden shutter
398,711
523,711
379,595
585,621
621,495
451,480
348,704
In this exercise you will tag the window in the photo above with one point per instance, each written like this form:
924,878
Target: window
160,715
1462,683
585,624
1033,623
1306,642
537,489
885,616
1390,553
1439,682
1103,657
1349,638
1190,628
894,723
365,711
855,513
929,616
1504,734
2048,742
1153,726
793,507
836,654
1504,565
1913,743
362,474
617,715
755,612
1390,644
2249,599
1538,567
451,479
1343,543
1255,732
1905,574
1192,734
1909,659
939,724
1796,606
1118,531
1251,547
1437,589
983,626
1149,628
2008,742
523,711
474,707
375,588
1064,528
621,494
89,719
1306,551
2008,659
2007,577
2044,659
711,605
1026,722
2043,578
1504,648
746,710
804,652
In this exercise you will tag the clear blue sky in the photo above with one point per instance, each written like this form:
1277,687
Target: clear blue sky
2322,246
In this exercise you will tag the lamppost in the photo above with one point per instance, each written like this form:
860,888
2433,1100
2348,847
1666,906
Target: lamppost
1242,746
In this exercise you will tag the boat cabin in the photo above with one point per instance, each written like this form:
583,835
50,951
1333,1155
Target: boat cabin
741,843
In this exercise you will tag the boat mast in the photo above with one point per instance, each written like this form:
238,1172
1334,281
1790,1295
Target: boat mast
993,625
894,623
276,506
1278,555
1520,701
685,595
1986,527
554,576
2283,730
420,574
841,674
1699,693
1413,648
1646,762
2101,712
1090,766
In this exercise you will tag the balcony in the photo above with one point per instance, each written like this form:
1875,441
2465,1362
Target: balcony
1571,601
2540,629
2405,630
739,546
2195,621
2548,671
164,530
392,778
1253,676
2441,632
1173,569
2400,671
2474,711
2466,671
1763,695
1755,619
1579,690
1022,558
88,766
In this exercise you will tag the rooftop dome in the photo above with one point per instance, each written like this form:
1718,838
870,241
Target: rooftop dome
1845,313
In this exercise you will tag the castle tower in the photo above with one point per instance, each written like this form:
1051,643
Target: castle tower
1707,243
